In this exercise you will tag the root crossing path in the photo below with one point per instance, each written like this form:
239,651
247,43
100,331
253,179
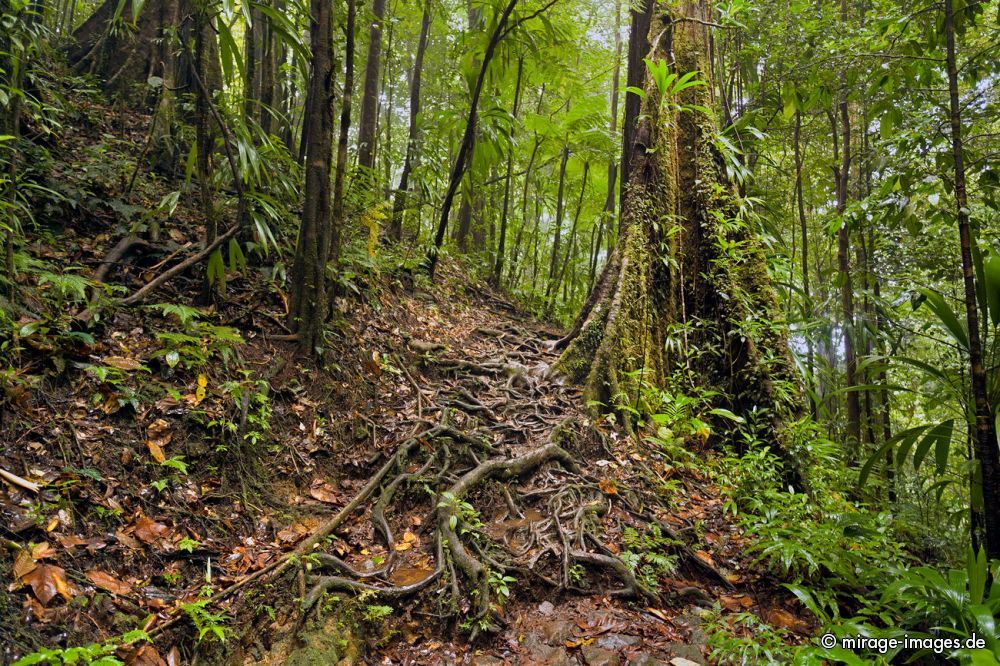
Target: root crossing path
501,523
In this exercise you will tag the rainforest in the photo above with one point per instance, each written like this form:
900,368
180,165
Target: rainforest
598,332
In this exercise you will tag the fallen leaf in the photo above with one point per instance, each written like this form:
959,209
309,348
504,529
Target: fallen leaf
42,551
149,531
24,564
107,582
323,491
705,557
786,620
122,363
155,451
410,575
608,486
580,642
48,580
146,655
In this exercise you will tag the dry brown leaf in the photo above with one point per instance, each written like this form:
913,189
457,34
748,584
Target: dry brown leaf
579,642
784,619
48,580
608,486
146,655
323,491
42,551
24,564
107,582
155,451
705,557
149,531
410,575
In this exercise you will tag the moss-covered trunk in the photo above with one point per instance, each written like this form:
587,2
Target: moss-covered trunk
686,292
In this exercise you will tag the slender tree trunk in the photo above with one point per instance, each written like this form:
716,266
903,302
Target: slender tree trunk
368,127
413,136
842,175
345,128
985,447
557,237
572,237
804,230
461,161
308,305
609,202
502,242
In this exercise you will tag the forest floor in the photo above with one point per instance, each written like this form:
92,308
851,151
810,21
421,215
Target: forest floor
217,484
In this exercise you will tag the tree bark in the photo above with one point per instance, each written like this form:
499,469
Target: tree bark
683,286
345,128
985,444
611,200
308,306
413,136
368,126
461,161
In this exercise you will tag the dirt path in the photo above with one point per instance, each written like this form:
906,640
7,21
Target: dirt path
517,546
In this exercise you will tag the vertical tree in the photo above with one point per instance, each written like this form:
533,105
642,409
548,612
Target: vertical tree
985,441
413,132
345,128
368,125
308,305
687,284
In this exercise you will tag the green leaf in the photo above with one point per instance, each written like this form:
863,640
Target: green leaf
947,316
940,437
789,99
991,280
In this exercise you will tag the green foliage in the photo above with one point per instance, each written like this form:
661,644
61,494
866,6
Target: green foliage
743,639
208,624
648,555
95,654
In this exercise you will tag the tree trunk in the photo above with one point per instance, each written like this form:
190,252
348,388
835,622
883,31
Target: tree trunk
609,202
122,58
657,281
804,230
635,77
502,241
309,302
368,126
465,149
557,238
985,445
345,128
413,136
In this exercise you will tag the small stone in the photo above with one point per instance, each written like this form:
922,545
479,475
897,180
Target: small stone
681,661
546,608
646,660
558,632
597,656
616,641
686,651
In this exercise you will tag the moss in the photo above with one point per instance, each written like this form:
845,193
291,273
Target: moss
678,265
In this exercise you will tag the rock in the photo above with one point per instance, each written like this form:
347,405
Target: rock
546,608
598,656
646,660
686,651
616,641
549,656
681,661
558,632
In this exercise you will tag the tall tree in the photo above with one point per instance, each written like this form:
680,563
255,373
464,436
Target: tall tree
308,306
660,280
345,128
985,443
368,127
413,134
